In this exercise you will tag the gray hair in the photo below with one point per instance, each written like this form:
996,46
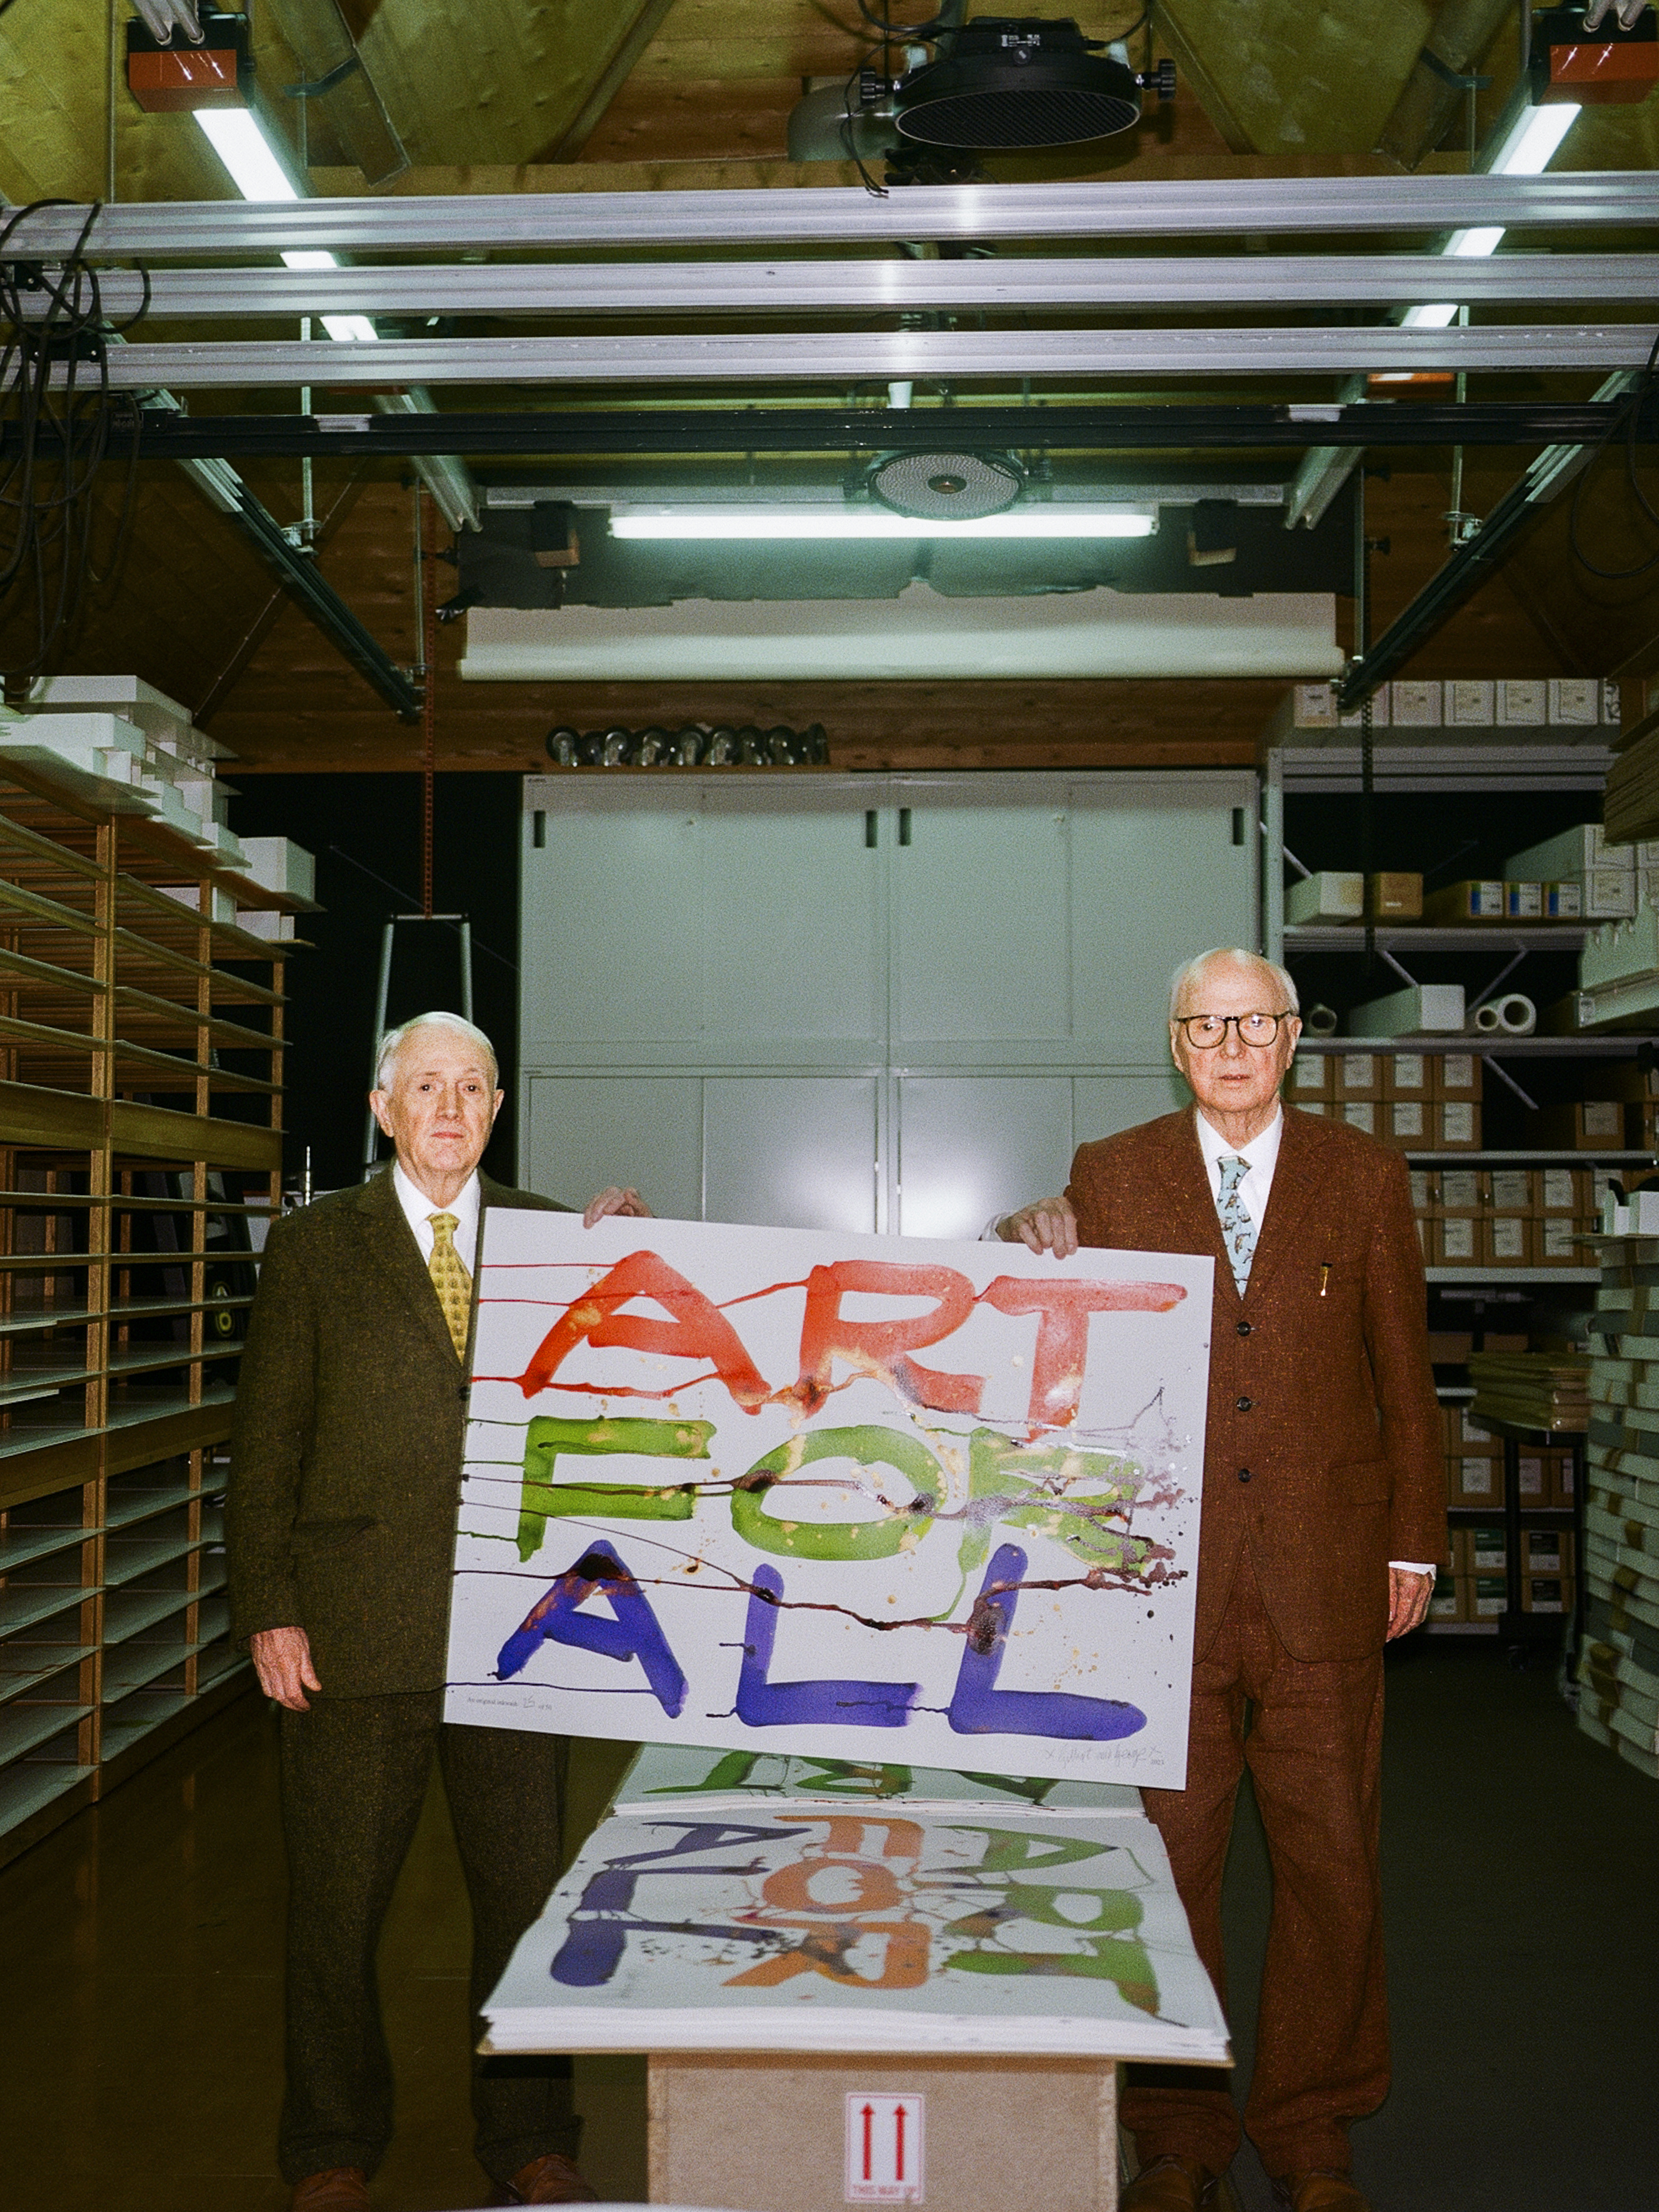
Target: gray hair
386,1059
1238,957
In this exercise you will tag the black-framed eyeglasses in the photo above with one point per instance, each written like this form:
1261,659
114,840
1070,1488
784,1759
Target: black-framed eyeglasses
1204,1032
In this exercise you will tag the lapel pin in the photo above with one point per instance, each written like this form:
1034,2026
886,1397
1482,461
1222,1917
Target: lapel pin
1324,1277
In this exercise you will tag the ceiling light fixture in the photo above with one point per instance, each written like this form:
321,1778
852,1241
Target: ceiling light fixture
1526,150
858,522
238,137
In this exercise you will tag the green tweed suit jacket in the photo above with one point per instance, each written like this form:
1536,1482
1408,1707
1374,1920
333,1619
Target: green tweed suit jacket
347,1443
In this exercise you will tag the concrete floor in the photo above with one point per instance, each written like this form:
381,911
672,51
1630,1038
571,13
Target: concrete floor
140,2034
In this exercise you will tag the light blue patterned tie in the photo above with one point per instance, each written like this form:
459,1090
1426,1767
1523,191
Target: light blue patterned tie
1237,1228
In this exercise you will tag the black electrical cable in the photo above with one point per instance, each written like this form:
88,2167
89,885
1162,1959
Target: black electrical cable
1627,420
61,435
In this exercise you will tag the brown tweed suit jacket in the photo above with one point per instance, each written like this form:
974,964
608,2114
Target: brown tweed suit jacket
1323,1452
346,1444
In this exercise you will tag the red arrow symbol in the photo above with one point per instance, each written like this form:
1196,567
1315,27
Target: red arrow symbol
898,2142
869,2123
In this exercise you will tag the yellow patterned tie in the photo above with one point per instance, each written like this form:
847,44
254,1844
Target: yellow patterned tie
450,1280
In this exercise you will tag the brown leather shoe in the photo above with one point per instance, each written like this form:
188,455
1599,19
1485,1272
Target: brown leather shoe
340,2189
1320,2191
1170,2184
551,2179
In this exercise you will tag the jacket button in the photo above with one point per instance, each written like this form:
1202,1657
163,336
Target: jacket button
1243,1328
1244,1405
1244,1474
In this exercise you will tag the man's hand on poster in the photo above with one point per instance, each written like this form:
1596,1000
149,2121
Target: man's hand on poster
1048,1225
1408,1600
282,1660
616,1200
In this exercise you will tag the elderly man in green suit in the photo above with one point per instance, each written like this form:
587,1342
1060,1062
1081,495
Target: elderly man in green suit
346,1465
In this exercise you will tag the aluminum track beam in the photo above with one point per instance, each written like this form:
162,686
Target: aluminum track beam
1548,475
166,436
184,230
877,286
843,358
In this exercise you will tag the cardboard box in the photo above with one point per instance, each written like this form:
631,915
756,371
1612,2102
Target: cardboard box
1563,1191
1529,1474
1408,1074
1460,905
1545,1594
1458,1075
1407,1123
1556,1243
1489,1597
1315,1106
1356,1075
1449,1347
1561,1480
1475,1479
1361,1114
1457,1125
1523,901
1512,1190
1523,703
1488,1550
1546,1552
1625,1080
1456,1241
1563,902
1462,1190
1474,1436
1309,1077
1415,704
1496,1339
1592,1125
1471,700
1642,1126
1422,1193
1396,897
1332,895
1606,894
1449,1598
1506,1241
1454,1561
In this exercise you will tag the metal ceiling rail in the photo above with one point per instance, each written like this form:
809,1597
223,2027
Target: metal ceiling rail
1183,208
838,357
733,430
725,287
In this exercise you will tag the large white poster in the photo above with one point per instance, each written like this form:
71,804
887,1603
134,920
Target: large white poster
854,1497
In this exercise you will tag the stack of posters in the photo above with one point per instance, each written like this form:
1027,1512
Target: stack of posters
816,1906
1619,1660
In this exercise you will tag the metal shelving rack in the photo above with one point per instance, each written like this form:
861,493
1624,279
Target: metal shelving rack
141,1072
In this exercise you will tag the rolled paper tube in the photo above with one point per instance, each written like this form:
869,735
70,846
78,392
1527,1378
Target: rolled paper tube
1516,1014
1319,1021
1484,1020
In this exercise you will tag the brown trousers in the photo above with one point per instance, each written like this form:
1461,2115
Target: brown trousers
355,1774
1313,1746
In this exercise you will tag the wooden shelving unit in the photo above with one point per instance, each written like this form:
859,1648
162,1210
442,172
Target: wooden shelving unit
141,1074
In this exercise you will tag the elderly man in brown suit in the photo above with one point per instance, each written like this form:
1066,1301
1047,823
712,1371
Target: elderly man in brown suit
1324,1509
345,1471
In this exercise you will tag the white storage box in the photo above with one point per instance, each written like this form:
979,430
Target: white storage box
1432,1007
1332,895
281,866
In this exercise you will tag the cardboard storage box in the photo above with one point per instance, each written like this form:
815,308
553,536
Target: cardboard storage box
1456,1241
1458,1075
1407,1123
1394,898
1425,1203
1523,901
1449,1347
1561,1479
1506,1241
1570,853
1332,895
1563,902
1586,1125
1462,1190
1361,1114
1546,1552
1460,904
1488,1550
1309,1077
1456,1126
1563,1191
1512,1190
1356,1074
1559,1242
1529,1475
1449,1600
1406,1074
1489,1597
1547,1593
1477,1478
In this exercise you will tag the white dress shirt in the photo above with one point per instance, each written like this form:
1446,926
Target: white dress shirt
466,1205
1261,1155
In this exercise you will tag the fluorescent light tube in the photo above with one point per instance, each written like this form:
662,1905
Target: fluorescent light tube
856,522
1475,245
241,145
1534,138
